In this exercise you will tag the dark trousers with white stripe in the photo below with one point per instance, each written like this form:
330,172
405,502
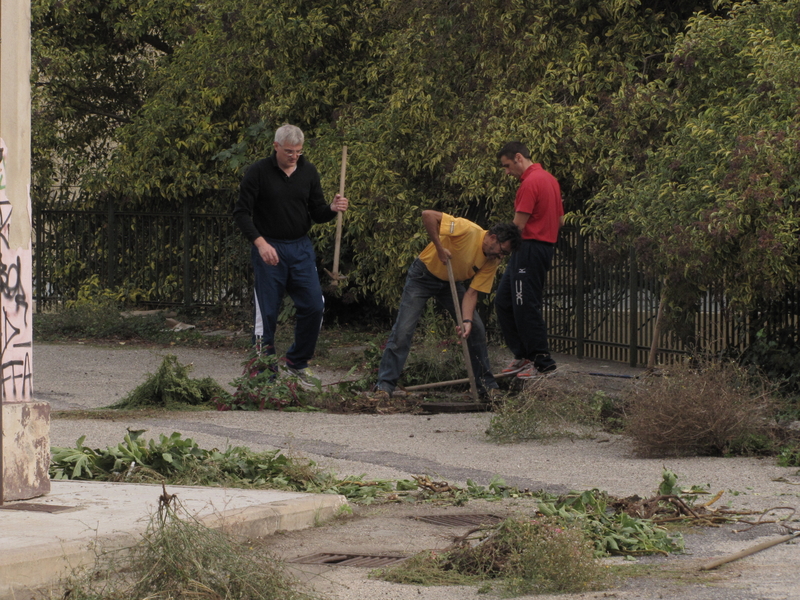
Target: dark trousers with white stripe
518,302
296,275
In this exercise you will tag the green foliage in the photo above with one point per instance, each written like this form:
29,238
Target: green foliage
789,456
95,320
423,92
180,461
712,202
171,387
776,357
179,557
611,531
91,292
263,386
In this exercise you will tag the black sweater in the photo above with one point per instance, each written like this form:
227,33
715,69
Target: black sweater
280,207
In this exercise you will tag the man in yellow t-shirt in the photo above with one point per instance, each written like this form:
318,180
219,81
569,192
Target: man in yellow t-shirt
474,254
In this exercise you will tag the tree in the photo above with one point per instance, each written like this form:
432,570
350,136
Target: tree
714,202
182,96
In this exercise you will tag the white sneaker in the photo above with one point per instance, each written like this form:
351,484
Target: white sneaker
304,376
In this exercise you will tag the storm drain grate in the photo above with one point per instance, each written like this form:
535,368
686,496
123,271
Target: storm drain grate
46,508
460,520
348,560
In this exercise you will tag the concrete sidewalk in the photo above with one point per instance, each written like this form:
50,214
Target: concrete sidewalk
37,548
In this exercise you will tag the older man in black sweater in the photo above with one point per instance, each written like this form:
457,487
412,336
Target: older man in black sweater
279,197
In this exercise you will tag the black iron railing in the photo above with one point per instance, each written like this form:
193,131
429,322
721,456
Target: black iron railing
191,259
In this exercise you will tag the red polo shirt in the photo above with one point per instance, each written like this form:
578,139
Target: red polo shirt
540,196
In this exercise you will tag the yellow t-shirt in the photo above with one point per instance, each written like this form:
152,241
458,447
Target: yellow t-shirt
464,239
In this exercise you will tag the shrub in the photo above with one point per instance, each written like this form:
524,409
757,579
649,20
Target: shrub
710,409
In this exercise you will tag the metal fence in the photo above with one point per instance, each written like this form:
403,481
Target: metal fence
190,259
164,258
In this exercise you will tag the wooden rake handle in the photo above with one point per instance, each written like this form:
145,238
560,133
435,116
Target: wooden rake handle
337,248
473,388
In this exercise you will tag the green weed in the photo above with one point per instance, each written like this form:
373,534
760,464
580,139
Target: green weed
179,557
558,406
170,387
537,556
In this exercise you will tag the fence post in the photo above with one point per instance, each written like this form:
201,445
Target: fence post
38,227
112,245
187,264
633,308
579,297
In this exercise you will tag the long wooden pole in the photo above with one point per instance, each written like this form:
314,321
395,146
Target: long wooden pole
428,386
338,246
751,550
473,388
335,277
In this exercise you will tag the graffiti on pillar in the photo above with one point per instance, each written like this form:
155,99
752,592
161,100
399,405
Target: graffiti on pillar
15,310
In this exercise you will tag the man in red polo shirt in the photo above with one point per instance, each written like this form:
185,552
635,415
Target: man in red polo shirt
539,213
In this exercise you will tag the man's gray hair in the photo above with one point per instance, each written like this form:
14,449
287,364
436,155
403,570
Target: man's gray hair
289,135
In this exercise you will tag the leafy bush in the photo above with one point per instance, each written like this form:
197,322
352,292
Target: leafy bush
777,357
711,409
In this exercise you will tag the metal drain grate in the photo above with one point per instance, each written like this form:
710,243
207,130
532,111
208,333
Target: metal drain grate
348,560
460,520
46,508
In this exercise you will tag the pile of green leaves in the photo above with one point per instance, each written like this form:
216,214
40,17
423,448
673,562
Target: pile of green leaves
178,558
611,532
263,385
180,461
171,387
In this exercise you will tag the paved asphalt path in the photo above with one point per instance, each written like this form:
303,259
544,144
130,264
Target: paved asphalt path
451,447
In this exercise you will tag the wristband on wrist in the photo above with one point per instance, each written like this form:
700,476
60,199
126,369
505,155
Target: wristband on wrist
467,321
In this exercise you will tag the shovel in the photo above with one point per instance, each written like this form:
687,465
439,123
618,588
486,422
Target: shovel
473,388
335,276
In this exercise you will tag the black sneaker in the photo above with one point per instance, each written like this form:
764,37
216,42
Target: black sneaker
544,363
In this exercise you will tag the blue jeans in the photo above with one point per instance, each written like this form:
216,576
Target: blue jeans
296,275
420,286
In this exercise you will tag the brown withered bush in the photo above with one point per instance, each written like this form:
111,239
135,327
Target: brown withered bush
713,408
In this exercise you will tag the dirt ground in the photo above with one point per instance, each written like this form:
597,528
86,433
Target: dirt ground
451,447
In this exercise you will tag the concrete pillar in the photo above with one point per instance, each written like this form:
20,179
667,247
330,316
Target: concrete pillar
25,423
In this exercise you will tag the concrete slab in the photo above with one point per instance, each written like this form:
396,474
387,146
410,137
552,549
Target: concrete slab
39,548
